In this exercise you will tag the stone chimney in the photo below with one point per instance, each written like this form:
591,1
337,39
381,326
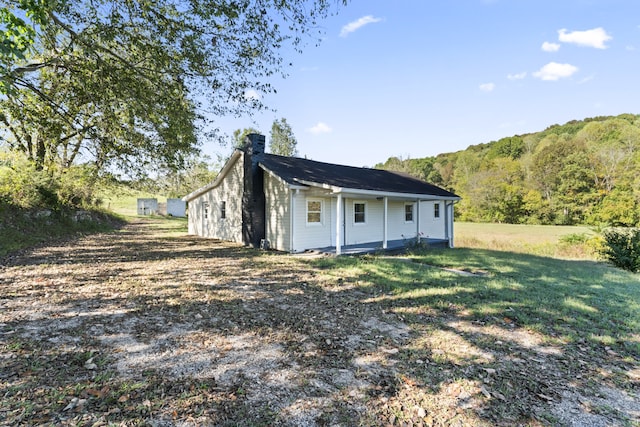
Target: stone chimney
253,199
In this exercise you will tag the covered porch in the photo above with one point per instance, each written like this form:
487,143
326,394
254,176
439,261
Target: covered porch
390,243
398,245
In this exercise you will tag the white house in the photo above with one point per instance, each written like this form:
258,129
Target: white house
295,204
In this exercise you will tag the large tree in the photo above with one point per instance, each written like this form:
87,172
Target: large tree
129,82
282,142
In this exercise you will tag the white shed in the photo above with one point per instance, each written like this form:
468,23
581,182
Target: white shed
147,206
177,208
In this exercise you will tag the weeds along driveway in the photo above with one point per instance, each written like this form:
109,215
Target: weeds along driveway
146,327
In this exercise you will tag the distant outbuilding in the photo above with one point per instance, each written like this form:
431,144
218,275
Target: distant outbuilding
147,206
177,208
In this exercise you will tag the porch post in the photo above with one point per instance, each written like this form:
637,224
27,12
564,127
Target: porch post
451,225
339,224
385,226
418,221
292,224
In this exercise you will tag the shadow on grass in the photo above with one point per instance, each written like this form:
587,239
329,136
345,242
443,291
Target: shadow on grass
185,329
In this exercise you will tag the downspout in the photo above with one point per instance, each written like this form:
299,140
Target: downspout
418,221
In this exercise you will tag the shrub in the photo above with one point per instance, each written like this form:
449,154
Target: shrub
575,238
622,248
415,243
22,185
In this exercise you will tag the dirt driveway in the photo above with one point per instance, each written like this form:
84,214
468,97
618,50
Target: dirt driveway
141,327
137,327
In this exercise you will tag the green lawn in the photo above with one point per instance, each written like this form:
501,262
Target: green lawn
545,240
566,321
567,300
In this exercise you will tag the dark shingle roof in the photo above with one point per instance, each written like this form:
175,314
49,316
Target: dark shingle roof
294,170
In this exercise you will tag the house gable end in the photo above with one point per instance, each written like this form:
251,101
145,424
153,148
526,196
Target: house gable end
228,166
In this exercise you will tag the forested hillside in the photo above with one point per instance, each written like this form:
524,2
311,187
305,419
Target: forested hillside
582,172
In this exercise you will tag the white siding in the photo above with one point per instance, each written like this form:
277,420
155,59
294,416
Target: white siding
309,236
431,227
230,191
371,230
277,208
398,227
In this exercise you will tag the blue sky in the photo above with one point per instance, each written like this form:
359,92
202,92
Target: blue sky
417,78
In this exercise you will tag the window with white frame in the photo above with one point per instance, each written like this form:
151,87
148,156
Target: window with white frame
223,209
408,212
359,212
205,213
436,210
314,211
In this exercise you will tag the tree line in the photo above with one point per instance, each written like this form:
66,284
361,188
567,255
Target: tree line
583,172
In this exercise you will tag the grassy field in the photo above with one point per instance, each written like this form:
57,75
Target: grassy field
580,318
124,201
572,242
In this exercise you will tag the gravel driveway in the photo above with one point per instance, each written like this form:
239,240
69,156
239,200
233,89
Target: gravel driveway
139,327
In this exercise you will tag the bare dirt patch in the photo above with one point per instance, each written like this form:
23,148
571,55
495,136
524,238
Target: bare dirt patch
141,328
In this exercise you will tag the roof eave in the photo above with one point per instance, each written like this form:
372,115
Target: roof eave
288,184
377,193
225,170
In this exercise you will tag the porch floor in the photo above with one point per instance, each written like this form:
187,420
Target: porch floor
371,247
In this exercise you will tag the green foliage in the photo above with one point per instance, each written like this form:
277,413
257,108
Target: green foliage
413,244
197,172
282,142
23,185
240,135
17,35
22,228
582,172
620,208
622,248
127,83
511,147
575,238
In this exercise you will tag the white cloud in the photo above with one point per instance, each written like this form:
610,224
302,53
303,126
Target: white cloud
251,94
487,87
595,38
357,24
554,71
518,76
319,128
550,47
